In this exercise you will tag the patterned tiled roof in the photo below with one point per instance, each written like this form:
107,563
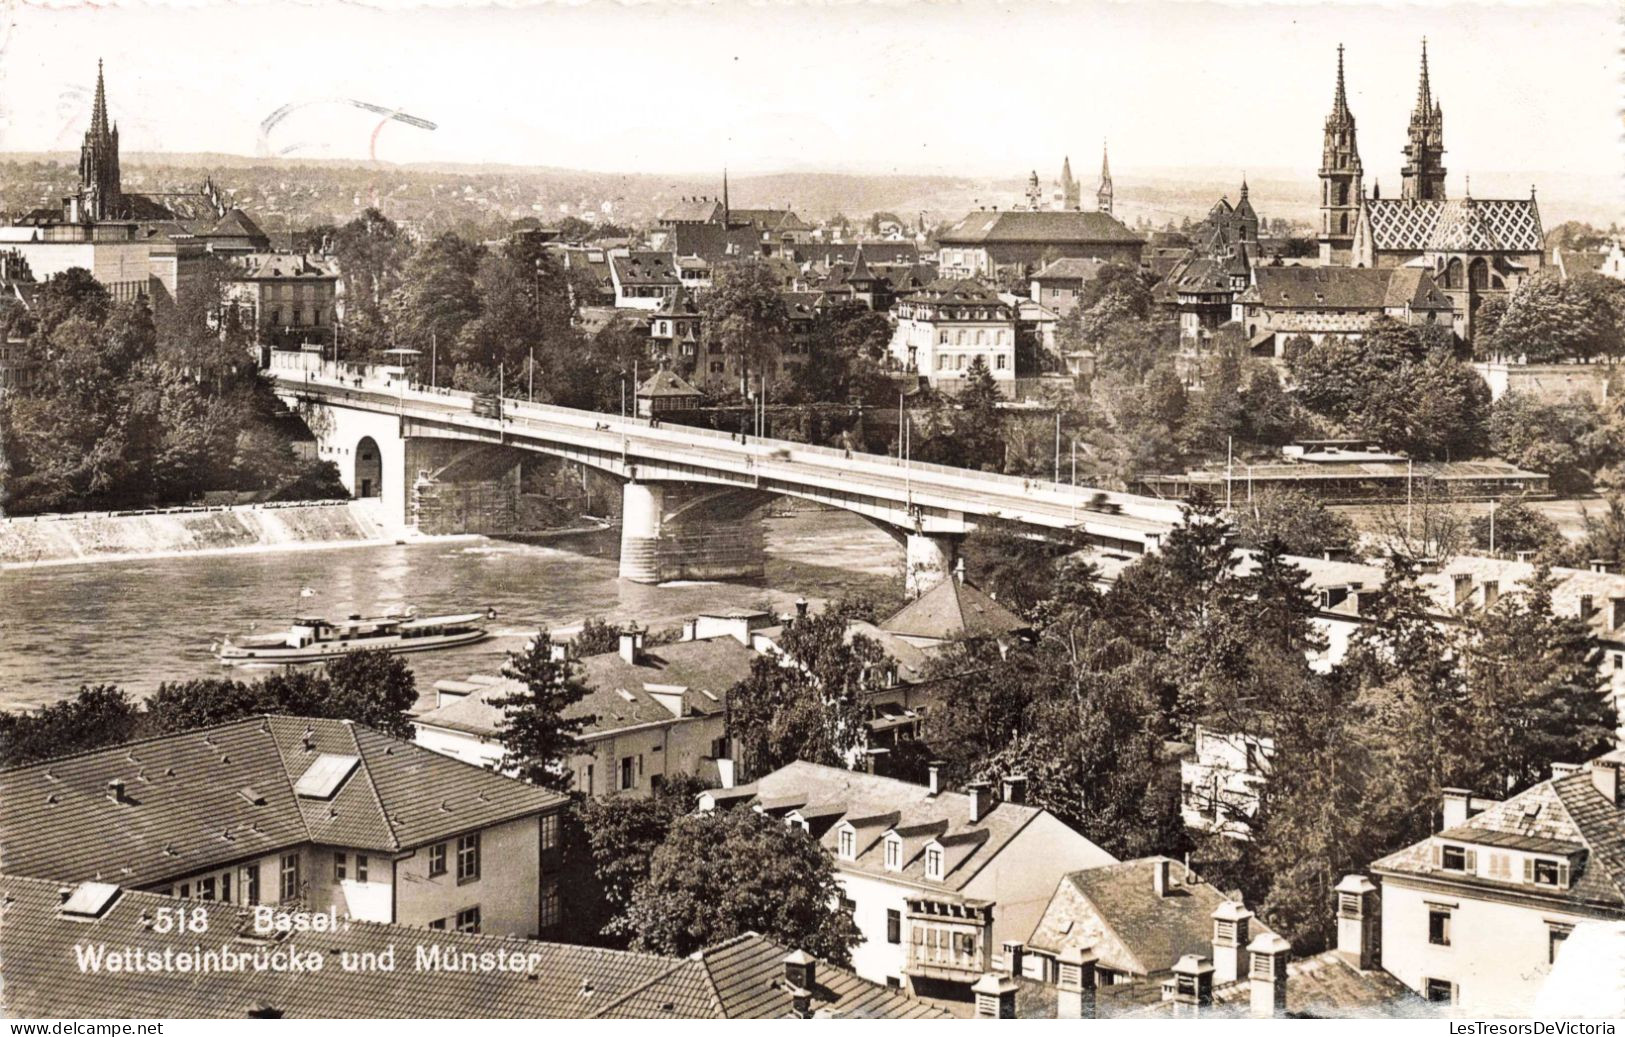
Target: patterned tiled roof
1455,225
219,794
1567,811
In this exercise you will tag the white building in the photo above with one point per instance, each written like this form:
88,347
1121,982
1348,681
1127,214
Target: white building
935,881
1221,780
1475,916
943,328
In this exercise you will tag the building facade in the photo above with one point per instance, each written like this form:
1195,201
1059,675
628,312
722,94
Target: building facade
943,328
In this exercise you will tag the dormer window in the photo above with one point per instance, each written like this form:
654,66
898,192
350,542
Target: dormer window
1457,858
894,853
933,862
1543,871
847,841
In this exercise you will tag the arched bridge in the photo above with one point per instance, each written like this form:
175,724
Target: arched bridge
692,496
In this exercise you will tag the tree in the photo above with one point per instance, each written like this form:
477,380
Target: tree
1549,318
1567,440
437,296
720,874
371,252
99,715
1535,696
1513,527
538,736
372,688
1299,522
979,427
807,702
622,835
745,314
369,687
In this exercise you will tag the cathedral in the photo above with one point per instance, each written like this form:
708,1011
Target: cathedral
1067,195
1473,247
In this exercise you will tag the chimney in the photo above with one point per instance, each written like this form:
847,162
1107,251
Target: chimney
1463,583
115,790
1357,922
1605,776
1492,592
1616,618
1015,789
1230,923
1160,881
981,800
1013,950
1266,979
1455,807
1563,770
877,761
1599,565
800,974
1075,984
1588,605
632,645
933,772
995,996
801,608
1193,985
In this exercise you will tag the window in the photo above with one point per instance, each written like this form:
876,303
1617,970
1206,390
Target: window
225,887
468,857
894,853
360,868
468,920
339,867
550,906
1439,927
438,923
251,882
437,859
848,843
894,926
550,831
186,891
629,773
290,876
1000,364
1453,858
205,888
1441,991
1546,872
964,944
933,862
585,782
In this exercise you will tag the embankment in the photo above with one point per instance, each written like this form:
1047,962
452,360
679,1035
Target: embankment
115,536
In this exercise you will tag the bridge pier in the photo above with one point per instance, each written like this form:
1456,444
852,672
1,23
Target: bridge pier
681,531
928,560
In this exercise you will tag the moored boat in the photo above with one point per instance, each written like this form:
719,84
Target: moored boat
310,639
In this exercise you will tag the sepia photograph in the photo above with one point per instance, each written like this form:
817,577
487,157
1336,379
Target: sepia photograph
710,509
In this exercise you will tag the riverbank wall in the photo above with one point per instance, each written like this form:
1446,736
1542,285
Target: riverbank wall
112,536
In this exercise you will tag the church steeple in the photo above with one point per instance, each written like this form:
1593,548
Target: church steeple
100,195
1070,194
1423,174
1103,196
1341,177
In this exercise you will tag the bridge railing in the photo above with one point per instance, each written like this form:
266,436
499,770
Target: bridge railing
312,367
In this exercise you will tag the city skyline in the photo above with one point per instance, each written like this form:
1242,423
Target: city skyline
953,101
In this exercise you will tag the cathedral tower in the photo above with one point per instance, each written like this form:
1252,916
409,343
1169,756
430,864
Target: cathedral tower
1424,144
1071,192
1340,178
100,196
1103,197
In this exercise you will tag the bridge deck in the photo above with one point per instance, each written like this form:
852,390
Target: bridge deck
772,465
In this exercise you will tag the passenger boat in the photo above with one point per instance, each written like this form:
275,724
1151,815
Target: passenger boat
314,640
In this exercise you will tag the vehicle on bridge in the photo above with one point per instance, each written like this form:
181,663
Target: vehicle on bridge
311,640
488,405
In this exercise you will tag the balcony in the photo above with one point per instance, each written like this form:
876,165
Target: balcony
948,939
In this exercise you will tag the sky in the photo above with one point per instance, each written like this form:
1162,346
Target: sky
976,88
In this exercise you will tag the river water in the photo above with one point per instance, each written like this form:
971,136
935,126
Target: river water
139,623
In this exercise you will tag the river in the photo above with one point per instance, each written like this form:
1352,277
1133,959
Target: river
139,623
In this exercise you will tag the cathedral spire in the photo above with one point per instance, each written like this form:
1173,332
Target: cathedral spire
724,197
1423,174
1103,196
1424,93
98,111
1341,177
1340,103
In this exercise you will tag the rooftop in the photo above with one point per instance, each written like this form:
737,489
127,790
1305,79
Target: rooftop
213,795
954,610
992,227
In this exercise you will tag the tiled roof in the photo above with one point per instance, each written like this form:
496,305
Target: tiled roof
282,266
964,290
619,695
1070,269
986,227
237,224
1569,811
1115,910
827,253
657,268
693,210
873,804
744,978
769,219
1456,225
1322,986
666,382
1343,287
213,795
42,978
954,610
713,242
